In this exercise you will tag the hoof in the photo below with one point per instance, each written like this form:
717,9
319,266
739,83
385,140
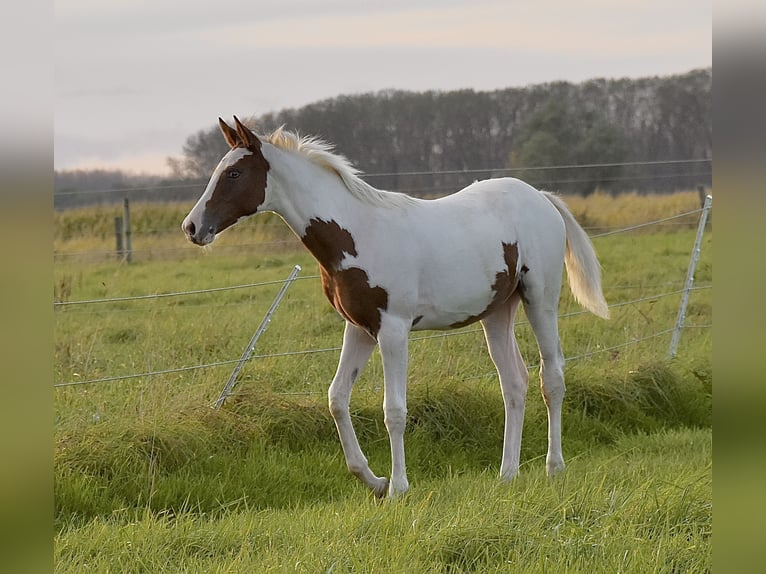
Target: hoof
381,488
398,490
553,468
509,475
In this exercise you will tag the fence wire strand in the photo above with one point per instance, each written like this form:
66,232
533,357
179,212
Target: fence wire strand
495,170
177,293
647,224
412,339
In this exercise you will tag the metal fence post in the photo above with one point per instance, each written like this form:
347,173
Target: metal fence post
690,278
248,352
118,236
126,231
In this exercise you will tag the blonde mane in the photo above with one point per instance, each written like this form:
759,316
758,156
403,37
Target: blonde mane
321,153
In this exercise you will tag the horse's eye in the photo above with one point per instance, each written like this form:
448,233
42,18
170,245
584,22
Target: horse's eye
233,173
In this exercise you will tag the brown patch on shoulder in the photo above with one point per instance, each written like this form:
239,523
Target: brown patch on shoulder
328,241
348,290
235,197
350,293
504,286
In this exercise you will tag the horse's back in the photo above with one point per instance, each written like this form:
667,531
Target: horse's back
464,245
490,212
498,195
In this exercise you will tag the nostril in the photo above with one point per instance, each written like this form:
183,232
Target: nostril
190,229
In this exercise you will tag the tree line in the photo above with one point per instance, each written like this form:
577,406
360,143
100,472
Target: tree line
431,143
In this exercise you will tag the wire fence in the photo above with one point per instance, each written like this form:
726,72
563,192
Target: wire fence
199,184
648,224
176,293
266,283
644,176
422,183
413,339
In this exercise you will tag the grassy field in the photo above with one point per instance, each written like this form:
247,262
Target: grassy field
149,478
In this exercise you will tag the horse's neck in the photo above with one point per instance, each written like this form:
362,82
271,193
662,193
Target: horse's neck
304,192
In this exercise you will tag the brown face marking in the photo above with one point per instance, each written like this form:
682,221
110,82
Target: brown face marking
239,191
347,290
504,286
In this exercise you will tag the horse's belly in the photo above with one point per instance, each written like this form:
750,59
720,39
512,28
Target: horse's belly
464,296
445,316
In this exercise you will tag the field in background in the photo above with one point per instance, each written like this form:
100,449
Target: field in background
87,234
149,478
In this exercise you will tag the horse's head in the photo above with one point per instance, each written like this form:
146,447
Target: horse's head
236,189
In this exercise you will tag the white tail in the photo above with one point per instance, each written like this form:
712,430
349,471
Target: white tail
583,268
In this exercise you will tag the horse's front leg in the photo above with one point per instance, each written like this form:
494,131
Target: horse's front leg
357,347
393,349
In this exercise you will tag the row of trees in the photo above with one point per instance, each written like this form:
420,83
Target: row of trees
409,139
594,122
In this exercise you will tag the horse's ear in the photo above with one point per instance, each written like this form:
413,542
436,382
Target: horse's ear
248,138
231,136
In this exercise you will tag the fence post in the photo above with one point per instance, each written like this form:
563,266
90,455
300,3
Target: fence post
690,277
118,237
702,195
248,352
126,232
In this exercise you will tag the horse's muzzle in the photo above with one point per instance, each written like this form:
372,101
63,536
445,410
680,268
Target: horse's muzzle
198,236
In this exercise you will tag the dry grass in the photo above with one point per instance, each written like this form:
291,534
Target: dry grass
88,233
600,212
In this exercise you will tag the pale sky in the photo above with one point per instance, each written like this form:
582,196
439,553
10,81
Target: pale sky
135,78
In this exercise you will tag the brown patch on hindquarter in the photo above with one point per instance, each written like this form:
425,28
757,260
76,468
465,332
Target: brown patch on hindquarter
504,286
348,290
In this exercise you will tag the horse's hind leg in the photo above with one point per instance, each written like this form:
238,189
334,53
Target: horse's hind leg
514,378
543,317
357,348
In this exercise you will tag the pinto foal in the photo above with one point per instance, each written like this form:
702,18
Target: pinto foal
391,264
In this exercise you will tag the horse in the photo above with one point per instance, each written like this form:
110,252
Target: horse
391,263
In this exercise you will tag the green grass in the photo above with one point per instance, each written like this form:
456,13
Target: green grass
642,504
149,478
